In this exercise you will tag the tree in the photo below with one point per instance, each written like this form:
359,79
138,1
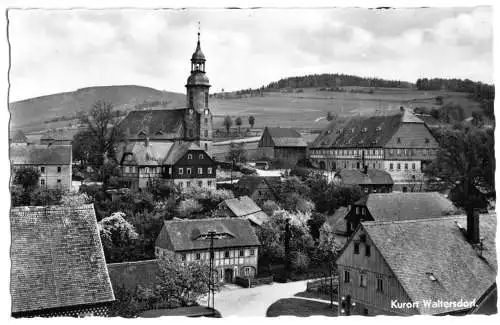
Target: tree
117,236
465,164
251,121
330,116
102,134
269,207
182,282
44,196
187,208
85,149
238,123
228,122
27,177
237,153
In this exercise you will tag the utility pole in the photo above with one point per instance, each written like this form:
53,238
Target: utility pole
287,248
211,284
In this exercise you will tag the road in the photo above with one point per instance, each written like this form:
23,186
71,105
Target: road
236,301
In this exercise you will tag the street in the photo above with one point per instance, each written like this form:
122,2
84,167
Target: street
235,301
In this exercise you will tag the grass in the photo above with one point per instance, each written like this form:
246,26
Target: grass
301,308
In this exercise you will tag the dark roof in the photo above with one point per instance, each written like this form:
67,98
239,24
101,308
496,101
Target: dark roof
245,207
158,123
182,235
407,206
131,275
19,137
372,177
156,153
40,154
57,258
248,184
359,131
336,221
179,150
286,137
416,249
198,54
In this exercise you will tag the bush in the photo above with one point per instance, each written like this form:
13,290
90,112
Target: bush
269,207
300,262
187,208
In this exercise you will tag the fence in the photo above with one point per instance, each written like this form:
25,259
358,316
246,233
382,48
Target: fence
323,285
252,282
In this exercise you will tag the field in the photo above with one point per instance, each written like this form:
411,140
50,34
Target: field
305,110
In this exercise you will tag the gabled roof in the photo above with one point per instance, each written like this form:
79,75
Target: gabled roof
245,207
157,153
286,137
407,205
57,258
179,149
419,250
336,221
359,131
372,177
18,137
248,184
153,123
40,154
185,235
56,135
130,275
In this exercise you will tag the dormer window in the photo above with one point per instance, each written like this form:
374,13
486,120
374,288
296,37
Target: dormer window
190,156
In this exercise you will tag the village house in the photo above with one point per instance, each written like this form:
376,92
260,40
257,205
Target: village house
400,144
192,124
282,144
18,137
179,163
243,207
54,162
59,137
394,207
258,188
436,266
369,180
236,246
57,263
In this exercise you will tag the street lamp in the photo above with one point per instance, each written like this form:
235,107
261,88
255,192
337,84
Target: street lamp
211,283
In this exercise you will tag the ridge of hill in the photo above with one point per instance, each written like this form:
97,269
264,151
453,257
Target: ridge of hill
34,112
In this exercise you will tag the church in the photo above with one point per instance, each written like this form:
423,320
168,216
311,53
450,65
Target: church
157,140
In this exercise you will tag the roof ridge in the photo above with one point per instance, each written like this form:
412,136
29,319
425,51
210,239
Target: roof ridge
435,218
201,219
131,262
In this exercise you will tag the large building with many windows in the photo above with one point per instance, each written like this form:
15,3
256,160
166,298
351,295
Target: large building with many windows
400,144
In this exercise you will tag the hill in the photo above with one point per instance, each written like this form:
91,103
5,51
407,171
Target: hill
46,111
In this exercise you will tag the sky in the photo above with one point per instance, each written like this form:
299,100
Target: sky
56,51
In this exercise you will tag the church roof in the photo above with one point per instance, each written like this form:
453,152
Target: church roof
152,123
198,53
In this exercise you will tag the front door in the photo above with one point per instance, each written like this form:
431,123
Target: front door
228,275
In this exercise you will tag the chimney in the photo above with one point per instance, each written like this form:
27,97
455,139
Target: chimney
473,227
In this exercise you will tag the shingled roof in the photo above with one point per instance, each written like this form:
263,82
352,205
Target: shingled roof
285,137
152,123
372,177
185,235
407,205
156,153
39,154
57,258
418,249
359,131
245,207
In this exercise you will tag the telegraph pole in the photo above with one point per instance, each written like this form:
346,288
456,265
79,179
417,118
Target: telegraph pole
287,247
211,284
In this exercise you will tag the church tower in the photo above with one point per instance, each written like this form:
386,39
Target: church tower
198,119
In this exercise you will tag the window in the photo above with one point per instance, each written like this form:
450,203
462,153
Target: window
42,182
209,170
58,182
181,170
406,166
190,156
363,211
399,166
146,170
399,140
200,183
246,270
200,170
188,171
357,210
198,256
368,250
413,166
209,183
58,169
181,184
380,285
226,254
391,166
42,170
347,277
356,248
252,252
201,156
183,257
206,120
362,280
426,140
242,252
206,133
206,147
188,184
